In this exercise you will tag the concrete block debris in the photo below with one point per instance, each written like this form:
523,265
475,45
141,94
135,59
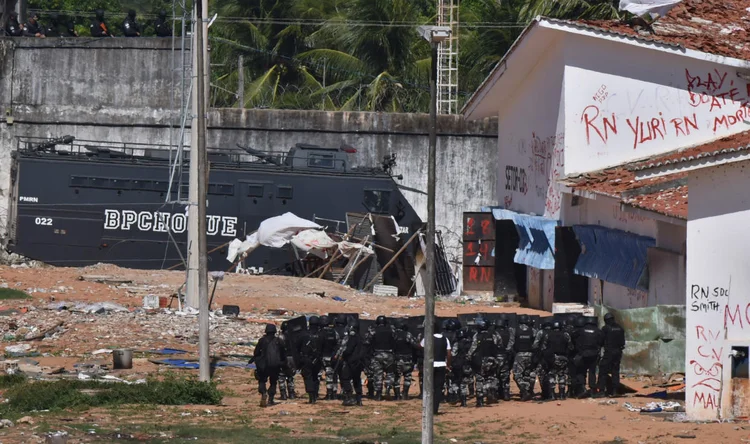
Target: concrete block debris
656,407
385,290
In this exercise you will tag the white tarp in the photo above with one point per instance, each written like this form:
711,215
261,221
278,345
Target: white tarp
312,239
349,248
641,7
278,231
237,247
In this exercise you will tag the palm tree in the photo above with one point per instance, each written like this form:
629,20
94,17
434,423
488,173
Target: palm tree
571,9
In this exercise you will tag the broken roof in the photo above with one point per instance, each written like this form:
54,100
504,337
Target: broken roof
659,183
665,195
710,26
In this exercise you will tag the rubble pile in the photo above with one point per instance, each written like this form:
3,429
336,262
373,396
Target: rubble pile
79,328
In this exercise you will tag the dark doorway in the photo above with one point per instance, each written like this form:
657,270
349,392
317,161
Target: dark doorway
569,287
510,278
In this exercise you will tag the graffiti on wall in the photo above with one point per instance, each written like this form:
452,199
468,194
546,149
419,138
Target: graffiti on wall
706,346
715,99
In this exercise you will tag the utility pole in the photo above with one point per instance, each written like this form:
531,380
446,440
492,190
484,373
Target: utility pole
241,82
197,254
434,35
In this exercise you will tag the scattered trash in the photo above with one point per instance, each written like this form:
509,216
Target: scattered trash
101,351
685,436
5,423
58,437
151,302
20,348
655,407
339,299
168,351
284,413
230,310
109,280
183,363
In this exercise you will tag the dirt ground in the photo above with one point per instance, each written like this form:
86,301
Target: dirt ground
74,335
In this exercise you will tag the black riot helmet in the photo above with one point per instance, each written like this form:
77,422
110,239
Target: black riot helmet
341,319
523,319
270,329
447,325
462,334
608,318
325,321
380,320
580,322
501,323
556,325
13,16
314,320
131,14
482,324
99,14
284,326
354,328
547,324
162,14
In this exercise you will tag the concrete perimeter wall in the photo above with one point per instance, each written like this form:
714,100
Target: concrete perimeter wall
125,90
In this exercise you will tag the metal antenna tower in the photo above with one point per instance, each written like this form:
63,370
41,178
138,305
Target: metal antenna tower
447,79
182,81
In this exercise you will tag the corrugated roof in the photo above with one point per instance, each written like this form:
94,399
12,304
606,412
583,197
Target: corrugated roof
605,27
711,26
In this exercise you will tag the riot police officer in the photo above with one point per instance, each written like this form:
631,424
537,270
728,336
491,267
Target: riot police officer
98,26
523,367
461,364
381,340
289,368
609,366
404,350
161,26
309,346
12,27
484,350
588,344
505,356
330,344
130,27
555,349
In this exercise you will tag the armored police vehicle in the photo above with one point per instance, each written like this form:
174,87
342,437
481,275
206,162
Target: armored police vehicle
77,203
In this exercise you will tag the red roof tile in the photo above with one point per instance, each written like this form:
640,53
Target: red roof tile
670,202
734,143
711,26
658,194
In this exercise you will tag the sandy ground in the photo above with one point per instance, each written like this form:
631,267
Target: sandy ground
262,299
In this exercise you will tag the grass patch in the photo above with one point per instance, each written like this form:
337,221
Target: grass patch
7,381
25,397
10,293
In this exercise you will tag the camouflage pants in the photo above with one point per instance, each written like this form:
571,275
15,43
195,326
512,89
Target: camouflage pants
503,373
558,373
542,372
463,380
332,379
404,367
286,380
523,372
380,365
487,377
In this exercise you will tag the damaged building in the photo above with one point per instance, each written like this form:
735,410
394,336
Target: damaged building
592,117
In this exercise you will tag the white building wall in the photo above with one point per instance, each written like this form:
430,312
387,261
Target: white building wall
718,285
531,139
626,103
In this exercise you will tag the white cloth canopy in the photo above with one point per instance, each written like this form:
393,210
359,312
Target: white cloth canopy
278,231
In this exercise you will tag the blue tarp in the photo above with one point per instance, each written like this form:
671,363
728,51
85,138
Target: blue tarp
536,247
612,255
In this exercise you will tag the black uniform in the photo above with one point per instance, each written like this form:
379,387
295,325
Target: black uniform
289,367
162,27
351,355
269,355
12,27
555,349
309,346
32,28
609,366
60,27
130,27
588,345
98,26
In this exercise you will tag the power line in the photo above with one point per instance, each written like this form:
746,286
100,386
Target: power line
302,21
